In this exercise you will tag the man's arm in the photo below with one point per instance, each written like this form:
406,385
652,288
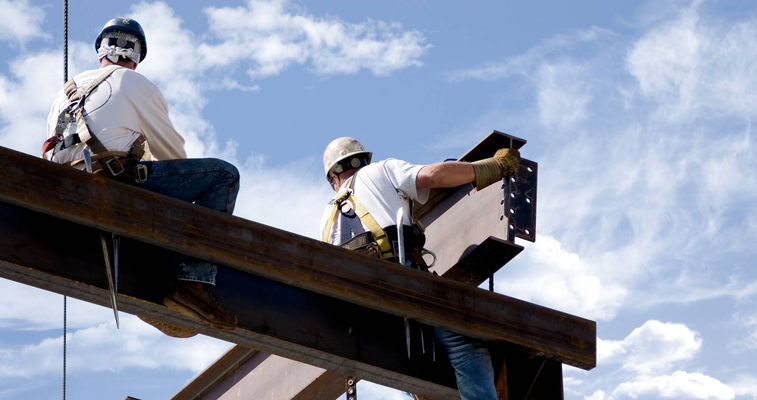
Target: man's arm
481,173
445,174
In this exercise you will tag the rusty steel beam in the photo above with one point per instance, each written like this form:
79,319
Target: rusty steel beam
291,259
64,257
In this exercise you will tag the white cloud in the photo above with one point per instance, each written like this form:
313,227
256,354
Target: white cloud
628,179
652,348
744,385
678,385
562,97
748,323
565,281
283,196
104,348
691,65
25,100
20,22
27,92
528,62
274,35
597,395
42,310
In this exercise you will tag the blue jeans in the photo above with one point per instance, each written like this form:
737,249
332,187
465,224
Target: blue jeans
207,182
472,363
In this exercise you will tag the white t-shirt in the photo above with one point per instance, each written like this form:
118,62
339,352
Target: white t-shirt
382,188
122,106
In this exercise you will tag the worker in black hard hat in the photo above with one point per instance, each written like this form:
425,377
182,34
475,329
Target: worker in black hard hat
114,121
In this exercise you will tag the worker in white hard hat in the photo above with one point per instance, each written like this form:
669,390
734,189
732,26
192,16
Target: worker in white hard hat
114,121
362,217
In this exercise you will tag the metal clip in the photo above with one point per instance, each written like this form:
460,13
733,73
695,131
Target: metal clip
110,161
141,173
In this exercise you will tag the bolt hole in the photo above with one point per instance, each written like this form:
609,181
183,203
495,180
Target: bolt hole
529,169
528,232
512,179
528,200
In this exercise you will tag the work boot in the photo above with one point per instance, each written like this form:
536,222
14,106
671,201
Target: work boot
167,328
197,301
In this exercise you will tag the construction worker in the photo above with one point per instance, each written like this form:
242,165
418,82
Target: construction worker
114,121
362,216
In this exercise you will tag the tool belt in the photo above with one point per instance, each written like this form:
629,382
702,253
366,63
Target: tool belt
366,244
127,170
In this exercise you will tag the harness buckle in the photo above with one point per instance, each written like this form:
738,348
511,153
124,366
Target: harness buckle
110,161
341,196
141,171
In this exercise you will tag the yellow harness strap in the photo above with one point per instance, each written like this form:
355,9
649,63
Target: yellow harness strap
379,235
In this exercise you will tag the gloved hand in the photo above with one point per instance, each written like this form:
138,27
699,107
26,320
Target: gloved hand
505,162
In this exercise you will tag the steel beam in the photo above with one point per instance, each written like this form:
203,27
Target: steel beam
293,260
63,257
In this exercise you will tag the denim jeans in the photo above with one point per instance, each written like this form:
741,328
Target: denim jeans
207,182
472,363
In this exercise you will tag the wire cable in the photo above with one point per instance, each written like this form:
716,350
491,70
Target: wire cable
65,79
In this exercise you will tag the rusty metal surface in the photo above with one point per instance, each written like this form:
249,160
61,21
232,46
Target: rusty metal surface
273,317
292,259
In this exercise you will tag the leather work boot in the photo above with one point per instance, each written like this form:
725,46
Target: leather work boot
196,300
167,328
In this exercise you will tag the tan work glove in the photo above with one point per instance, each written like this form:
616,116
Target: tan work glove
505,162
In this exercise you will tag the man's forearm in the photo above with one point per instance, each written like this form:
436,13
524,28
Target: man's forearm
445,174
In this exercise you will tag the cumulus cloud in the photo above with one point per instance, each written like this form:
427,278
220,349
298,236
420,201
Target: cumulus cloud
41,310
678,385
103,348
653,347
20,22
744,385
283,196
274,35
566,281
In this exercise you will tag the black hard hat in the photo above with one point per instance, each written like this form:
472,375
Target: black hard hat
124,25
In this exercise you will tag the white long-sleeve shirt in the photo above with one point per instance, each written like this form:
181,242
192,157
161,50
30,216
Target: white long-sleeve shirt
124,105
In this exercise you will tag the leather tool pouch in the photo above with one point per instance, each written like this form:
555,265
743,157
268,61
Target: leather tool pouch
363,244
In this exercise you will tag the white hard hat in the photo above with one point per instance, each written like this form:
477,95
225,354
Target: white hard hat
342,149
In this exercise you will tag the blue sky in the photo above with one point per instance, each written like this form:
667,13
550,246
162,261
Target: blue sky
639,114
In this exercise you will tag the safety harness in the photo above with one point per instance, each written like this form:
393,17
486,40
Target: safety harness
346,196
377,242
117,164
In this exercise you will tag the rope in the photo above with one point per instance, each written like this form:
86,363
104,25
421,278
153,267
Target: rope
65,79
